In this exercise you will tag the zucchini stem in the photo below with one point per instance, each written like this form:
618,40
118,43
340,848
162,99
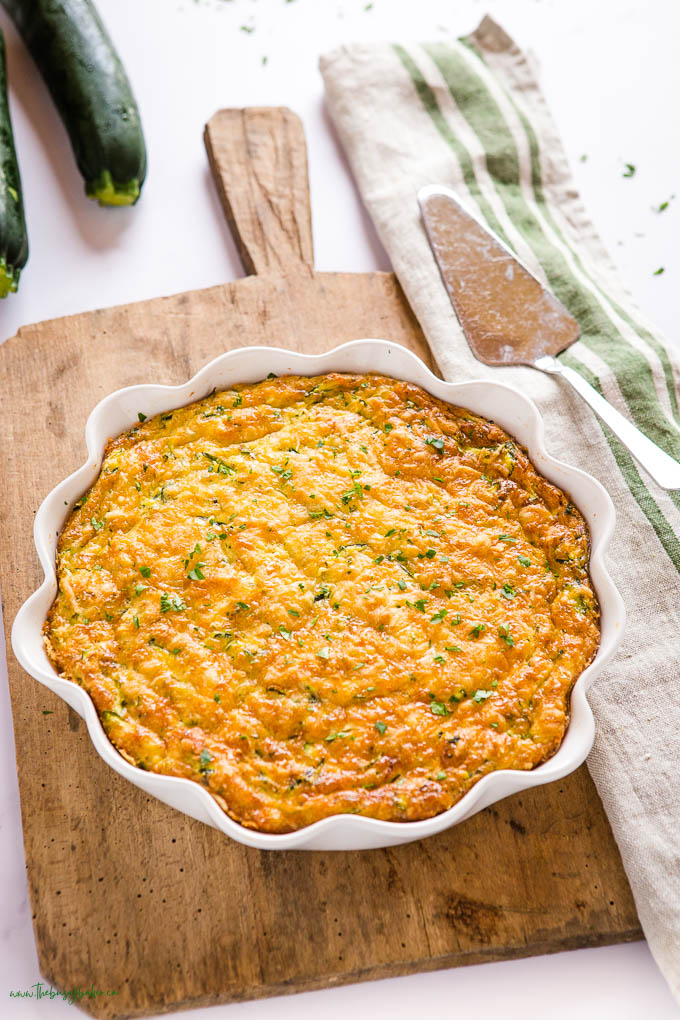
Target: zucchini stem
106,191
9,279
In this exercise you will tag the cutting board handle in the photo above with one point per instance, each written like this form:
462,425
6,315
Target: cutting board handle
258,157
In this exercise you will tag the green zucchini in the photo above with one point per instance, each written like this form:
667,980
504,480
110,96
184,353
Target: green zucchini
91,91
13,236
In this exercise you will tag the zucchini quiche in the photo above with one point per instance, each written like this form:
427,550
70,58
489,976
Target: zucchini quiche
324,595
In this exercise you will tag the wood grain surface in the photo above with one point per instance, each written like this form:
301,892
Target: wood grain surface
128,894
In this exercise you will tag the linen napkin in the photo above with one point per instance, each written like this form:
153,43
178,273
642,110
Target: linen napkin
469,114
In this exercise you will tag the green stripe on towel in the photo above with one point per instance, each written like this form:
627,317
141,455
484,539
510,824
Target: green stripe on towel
629,366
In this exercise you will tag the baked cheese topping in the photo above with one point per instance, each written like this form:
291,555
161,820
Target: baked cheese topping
324,595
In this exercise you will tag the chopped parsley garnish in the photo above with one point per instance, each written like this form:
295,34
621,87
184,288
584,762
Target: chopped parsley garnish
243,606
436,442
438,616
481,695
380,727
97,525
135,620
214,414
205,760
504,633
438,707
323,593
506,538
420,605
431,553
145,571
335,736
323,653
524,560
315,514
356,492
217,465
478,629
398,556
508,592
630,170
172,603
659,271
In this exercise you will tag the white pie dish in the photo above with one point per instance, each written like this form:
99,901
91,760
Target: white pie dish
512,410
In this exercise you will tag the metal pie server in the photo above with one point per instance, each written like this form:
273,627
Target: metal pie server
509,318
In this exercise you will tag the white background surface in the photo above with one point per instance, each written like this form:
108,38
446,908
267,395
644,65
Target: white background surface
611,73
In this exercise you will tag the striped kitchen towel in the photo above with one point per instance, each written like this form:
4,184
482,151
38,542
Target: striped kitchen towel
470,115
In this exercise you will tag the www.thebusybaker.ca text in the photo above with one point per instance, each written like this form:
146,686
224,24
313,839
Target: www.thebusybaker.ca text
41,991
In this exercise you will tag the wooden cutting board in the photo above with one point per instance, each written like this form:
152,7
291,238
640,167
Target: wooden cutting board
131,896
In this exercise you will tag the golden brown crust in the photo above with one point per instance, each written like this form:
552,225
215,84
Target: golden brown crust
325,595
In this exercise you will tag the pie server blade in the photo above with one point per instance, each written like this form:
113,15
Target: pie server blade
510,318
